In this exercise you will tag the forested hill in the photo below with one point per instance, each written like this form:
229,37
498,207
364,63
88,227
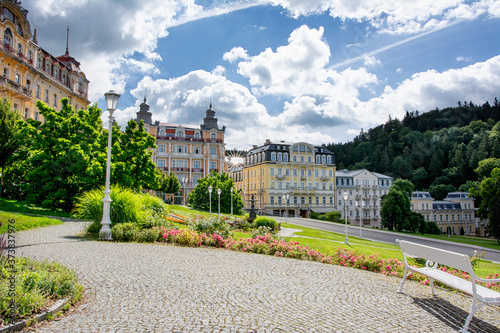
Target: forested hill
435,147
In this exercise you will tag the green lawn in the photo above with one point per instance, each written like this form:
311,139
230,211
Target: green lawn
9,205
327,242
24,222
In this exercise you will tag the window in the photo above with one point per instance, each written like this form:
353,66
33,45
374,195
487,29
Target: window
285,157
26,113
161,163
196,150
161,148
302,200
329,159
18,79
287,172
316,173
39,63
271,171
323,159
213,136
295,172
302,159
36,115
331,201
46,96
295,159
310,200
309,159
280,157
55,100
324,200
309,173
318,159
7,37
5,72
213,165
273,156
197,164
294,200
271,199
213,151
272,184
317,200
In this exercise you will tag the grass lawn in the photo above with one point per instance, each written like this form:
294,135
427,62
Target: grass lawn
9,205
327,242
25,222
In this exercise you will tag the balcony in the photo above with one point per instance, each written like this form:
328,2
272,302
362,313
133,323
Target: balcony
325,178
187,138
280,176
180,169
197,169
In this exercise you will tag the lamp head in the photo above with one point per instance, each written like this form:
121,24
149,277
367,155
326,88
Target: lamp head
210,189
345,195
232,190
111,100
219,191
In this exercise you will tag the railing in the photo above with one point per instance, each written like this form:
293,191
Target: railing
197,169
16,86
185,138
180,169
280,176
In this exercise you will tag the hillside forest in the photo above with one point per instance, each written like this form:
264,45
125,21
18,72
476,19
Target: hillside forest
437,151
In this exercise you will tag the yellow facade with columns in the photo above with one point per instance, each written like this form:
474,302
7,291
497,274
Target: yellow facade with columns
275,170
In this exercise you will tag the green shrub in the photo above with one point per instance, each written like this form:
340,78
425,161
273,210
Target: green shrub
124,232
211,226
127,206
332,216
147,235
264,221
432,228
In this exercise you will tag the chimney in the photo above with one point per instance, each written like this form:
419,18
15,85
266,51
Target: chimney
254,146
268,141
35,37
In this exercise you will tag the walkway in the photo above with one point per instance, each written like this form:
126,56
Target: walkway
161,288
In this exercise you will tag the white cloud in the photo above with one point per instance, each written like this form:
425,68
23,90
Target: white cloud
371,61
464,59
399,70
394,16
235,54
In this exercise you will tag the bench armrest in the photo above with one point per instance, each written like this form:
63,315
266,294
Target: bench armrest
488,280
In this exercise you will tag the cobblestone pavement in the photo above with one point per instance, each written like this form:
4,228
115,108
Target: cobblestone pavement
134,287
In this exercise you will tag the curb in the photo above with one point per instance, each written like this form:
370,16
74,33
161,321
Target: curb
17,326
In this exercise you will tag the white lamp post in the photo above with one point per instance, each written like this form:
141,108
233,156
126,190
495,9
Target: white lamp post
285,197
184,182
218,201
359,206
210,199
232,201
345,195
111,103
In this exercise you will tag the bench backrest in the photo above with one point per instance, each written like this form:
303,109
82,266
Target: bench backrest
442,257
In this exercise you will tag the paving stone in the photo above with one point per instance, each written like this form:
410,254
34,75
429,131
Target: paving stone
163,288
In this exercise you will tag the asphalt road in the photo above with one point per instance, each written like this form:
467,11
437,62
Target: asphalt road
390,237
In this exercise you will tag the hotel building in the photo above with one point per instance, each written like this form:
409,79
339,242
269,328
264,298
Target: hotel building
30,73
190,152
452,214
304,172
364,192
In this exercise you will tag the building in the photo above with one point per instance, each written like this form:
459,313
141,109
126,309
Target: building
29,73
191,152
301,171
364,192
454,213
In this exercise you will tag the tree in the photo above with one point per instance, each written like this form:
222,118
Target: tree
485,167
9,138
489,193
395,210
440,191
199,198
132,165
66,156
169,183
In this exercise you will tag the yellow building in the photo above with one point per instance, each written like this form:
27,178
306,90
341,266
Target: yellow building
304,172
190,152
29,73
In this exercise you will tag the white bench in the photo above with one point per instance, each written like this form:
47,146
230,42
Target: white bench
435,257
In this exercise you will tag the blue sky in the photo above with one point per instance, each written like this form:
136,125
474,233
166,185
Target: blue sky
294,70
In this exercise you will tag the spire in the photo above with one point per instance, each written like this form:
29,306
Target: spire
35,37
67,41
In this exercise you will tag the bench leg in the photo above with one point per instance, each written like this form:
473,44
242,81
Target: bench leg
473,310
405,276
432,287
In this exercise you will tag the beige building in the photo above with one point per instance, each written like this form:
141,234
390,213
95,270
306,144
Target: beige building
301,171
190,152
364,191
452,214
29,73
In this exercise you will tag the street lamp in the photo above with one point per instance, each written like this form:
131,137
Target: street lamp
111,103
210,199
285,197
359,206
184,182
345,195
232,201
218,194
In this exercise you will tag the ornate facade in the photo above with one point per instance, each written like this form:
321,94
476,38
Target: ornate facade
190,152
29,73
304,172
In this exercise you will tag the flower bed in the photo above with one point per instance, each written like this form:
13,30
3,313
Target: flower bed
270,245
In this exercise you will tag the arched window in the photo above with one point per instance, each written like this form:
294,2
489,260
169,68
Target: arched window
213,136
318,159
7,37
295,158
323,159
161,132
273,157
197,135
302,159
285,157
179,133
328,159
280,157
308,159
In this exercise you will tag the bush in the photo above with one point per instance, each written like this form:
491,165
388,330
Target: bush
147,235
211,226
124,232
333,216
127,206
264,221
432,228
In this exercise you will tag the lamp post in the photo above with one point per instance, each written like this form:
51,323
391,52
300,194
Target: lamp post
359,205
345,195
285,197
232,201
210,199
111,103
184,181
218,194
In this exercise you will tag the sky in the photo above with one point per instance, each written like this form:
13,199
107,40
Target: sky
317,71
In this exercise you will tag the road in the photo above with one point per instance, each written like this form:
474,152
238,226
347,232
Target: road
390,237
